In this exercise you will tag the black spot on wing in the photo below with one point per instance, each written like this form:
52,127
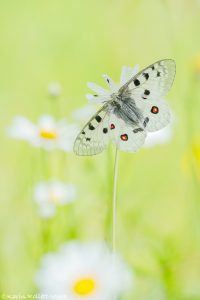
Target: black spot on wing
146,75
98,118
147,92
91,127
136,82
105,130
146,121
138,130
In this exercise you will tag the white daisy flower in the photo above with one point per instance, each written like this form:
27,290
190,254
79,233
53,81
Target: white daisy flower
48,195
162,136
83,272
101,94
47,134
84,113
54,89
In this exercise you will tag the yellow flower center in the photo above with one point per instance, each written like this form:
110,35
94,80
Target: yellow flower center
46,134
84,286
53,197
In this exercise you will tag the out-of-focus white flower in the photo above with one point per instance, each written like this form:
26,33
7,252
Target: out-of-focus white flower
84,113
48,195
101,94
162,136
48,133
54,89
83,272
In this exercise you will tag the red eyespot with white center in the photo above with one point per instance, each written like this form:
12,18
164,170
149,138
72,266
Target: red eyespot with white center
154,109
124,137
112,126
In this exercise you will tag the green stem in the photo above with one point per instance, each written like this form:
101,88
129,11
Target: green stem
114,201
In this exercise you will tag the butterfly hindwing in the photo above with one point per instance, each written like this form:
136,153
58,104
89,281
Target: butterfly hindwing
127,138
156,115
94,137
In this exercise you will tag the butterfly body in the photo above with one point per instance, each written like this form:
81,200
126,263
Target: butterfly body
125,108
130,113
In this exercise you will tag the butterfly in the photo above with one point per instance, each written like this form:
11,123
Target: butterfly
130,113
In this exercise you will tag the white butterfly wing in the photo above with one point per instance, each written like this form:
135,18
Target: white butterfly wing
156,115
126,138
153,82
147,89
94,136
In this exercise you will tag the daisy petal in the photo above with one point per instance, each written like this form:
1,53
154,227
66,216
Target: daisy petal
162,136
123,75
95,99
47,211
84,113
112,85
97,89
21,128
135,70
127,73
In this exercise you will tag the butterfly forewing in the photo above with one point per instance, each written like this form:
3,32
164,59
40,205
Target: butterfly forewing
94,137
153,82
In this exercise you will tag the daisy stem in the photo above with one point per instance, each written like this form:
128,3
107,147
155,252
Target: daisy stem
114,201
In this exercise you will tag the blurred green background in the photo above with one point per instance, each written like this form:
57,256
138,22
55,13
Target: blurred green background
73,42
